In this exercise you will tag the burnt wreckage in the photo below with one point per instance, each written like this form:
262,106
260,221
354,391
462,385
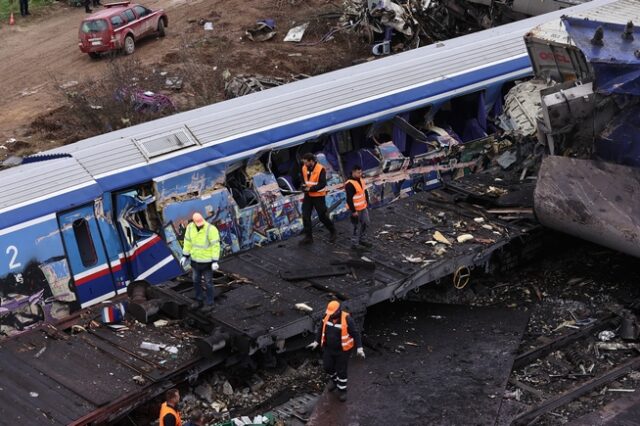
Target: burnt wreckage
108,214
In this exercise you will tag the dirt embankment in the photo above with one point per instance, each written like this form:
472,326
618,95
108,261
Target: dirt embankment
51,89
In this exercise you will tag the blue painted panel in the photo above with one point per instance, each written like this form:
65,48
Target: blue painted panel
616,62
109,232
73,250
92,281
35,281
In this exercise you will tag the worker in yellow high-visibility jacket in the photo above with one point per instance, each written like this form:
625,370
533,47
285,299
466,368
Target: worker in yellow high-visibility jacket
202,245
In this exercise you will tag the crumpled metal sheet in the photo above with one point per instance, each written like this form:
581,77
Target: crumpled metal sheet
243,84
395,16
615,58
263,30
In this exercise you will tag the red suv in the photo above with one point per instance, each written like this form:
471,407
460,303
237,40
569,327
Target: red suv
119,26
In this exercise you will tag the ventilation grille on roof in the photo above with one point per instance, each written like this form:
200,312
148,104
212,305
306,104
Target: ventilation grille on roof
156,145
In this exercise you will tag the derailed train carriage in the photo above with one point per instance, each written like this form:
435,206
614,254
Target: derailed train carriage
79,223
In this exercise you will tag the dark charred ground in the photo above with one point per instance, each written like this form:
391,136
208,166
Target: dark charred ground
570,280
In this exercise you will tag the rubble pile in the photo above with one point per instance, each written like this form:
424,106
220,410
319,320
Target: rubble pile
219,400
565,294
413,23
243,84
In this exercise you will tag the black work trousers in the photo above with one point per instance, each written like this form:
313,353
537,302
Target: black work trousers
319,204
336,365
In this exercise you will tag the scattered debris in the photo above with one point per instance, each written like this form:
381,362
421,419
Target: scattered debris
139,380
441,238
295,34
464,238
160,323
173,83
208,26
227,389
242,84
148,346
606,335
40,352
263,30
303,307
616,346
69,84
506,159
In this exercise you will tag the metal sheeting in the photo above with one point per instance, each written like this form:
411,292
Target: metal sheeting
618,12
164,143
322,94
31,181
615,59
593,200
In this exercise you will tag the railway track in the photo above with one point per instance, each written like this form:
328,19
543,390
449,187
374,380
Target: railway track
585,365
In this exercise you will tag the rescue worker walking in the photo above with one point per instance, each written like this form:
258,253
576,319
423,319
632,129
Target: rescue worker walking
358,202
314,178
202,245
337,336
169,415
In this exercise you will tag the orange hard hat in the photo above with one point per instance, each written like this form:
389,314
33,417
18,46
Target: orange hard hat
332,307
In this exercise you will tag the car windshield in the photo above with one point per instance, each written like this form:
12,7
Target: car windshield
94,26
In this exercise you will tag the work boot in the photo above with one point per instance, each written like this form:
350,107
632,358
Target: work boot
207,309
88,10
366,244
308,239
333,236
343,396
355,247
331,386
196,305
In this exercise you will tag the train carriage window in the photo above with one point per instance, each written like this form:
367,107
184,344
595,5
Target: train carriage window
87,249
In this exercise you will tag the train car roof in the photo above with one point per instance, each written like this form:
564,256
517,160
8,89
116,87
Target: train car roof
619,12
286,114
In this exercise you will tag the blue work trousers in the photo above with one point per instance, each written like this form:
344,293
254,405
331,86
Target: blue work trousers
203,272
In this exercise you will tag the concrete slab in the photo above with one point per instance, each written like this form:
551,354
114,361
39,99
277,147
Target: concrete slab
429,364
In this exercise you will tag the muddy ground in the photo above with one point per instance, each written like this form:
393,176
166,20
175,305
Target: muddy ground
50,87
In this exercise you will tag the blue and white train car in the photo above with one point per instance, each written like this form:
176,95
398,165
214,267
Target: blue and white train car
80,222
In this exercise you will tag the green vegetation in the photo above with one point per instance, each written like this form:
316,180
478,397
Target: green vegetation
8,6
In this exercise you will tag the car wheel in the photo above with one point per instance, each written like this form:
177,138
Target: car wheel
129,45
94,55
161,30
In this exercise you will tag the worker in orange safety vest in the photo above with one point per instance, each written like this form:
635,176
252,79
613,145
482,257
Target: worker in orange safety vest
169,415
337,336
358,202
314,186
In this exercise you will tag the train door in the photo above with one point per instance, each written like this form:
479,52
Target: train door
90,266
146,253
